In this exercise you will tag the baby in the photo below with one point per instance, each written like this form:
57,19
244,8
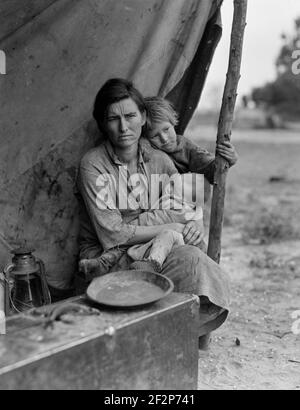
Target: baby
183,194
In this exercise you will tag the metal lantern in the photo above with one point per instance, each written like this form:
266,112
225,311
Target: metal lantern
26,281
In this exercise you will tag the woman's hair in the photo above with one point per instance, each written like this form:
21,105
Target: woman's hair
159,110
115,90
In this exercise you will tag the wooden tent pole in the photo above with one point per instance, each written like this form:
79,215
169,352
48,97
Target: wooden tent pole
225,126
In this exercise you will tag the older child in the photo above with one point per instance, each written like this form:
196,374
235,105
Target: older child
187,156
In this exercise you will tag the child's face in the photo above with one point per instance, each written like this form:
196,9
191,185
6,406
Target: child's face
163,136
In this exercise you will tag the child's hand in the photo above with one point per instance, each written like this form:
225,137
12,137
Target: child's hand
227,151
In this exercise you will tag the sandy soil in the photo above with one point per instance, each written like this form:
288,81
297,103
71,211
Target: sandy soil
257,348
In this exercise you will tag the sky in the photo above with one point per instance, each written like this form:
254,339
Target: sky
266,21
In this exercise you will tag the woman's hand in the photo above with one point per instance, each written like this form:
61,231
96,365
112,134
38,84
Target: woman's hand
193,232
228,151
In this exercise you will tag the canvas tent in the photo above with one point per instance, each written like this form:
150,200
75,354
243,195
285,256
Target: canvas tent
59,53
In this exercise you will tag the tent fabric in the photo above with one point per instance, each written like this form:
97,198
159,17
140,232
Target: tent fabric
58,55
187,92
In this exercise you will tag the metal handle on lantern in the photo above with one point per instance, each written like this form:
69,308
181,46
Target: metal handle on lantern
46,292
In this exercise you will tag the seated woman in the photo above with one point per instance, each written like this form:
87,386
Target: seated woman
114,209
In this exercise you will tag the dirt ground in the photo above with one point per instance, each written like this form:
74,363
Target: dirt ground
258,347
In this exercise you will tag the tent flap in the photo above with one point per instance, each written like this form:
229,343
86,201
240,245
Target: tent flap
59,53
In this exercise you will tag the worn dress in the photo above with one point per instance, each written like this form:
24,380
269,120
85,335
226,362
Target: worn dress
107,223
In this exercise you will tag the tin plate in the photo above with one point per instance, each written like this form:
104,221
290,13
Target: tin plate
129,288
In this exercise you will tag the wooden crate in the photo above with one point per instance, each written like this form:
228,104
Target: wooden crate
154,347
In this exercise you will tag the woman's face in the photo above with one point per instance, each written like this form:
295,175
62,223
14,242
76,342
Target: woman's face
123,123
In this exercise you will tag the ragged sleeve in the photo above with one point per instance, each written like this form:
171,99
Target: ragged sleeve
189,157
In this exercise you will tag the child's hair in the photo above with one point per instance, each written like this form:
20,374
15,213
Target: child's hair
158,110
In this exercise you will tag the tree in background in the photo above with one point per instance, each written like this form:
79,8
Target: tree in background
283,95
